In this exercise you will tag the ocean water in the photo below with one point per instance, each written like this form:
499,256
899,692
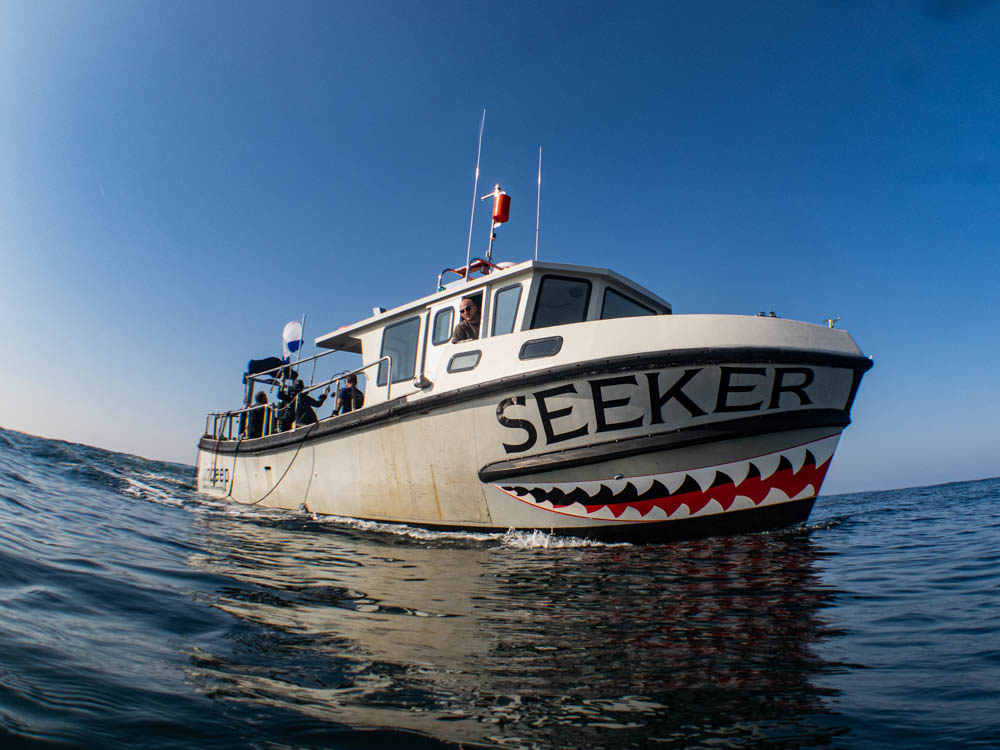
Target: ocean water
136,613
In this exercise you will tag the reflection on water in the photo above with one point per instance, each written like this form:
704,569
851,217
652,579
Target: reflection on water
472,641
136,613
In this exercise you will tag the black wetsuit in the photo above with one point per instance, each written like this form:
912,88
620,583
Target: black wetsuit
255,422
286,413
304,413
351,397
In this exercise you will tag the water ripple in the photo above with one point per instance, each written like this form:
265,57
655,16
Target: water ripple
137,613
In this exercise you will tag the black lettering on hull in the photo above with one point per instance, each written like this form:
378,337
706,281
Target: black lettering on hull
517,424
726,387
798,389
601,405
734,389
216,476
674,393
548,417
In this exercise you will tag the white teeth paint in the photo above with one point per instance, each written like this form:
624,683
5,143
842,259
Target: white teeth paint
823,449
642,484
742,502
767,464
591,488
672,481
682,512
656,513
603,512
631,514
796,457
807,491
736,471
704,477
774,496
712,506
615,485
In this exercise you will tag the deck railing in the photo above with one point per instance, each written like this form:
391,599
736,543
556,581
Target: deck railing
233,424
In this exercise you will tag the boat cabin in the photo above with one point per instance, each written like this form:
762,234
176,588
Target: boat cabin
410,343
414,350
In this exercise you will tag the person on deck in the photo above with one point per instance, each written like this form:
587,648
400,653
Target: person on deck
468,327
255,422
300,407
306,405
349,397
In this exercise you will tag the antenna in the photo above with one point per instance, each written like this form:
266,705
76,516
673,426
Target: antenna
538,207
475,189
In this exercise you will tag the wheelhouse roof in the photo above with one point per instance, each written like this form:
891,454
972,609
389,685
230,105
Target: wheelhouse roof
346,338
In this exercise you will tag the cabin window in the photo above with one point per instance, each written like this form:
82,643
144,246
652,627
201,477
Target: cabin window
505,304
442,326
561,300
399,341
464,361
617,305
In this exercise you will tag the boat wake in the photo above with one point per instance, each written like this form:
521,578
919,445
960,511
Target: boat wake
512,538
827,524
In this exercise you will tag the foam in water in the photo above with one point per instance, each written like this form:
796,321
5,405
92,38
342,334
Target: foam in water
511,538
143,491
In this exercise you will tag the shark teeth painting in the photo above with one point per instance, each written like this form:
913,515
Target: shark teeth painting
789,474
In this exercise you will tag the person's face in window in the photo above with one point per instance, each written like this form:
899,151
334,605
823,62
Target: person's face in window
468,311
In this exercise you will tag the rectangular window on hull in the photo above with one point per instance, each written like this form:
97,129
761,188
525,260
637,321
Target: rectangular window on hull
536,348
399,341
561,300
464,361
617,305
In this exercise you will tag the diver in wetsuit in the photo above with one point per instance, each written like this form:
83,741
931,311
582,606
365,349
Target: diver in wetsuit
255,423
300,407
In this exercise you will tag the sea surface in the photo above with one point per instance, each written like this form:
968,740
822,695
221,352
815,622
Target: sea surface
136,613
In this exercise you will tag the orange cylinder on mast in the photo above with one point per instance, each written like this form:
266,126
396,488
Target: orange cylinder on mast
501,207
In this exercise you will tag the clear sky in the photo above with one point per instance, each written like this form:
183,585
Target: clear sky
179,179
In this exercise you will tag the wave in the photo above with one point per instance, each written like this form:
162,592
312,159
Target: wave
137,612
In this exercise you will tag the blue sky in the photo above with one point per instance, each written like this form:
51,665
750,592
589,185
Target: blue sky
180,179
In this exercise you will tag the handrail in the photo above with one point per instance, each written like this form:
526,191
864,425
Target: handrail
231,415
346,374
292,364
224,431
476,264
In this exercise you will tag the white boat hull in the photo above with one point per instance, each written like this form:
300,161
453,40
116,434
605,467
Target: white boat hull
659,448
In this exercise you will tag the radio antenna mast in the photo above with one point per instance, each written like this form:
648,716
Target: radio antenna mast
475,189
538,207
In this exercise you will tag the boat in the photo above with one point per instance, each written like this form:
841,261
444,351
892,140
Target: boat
582,406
